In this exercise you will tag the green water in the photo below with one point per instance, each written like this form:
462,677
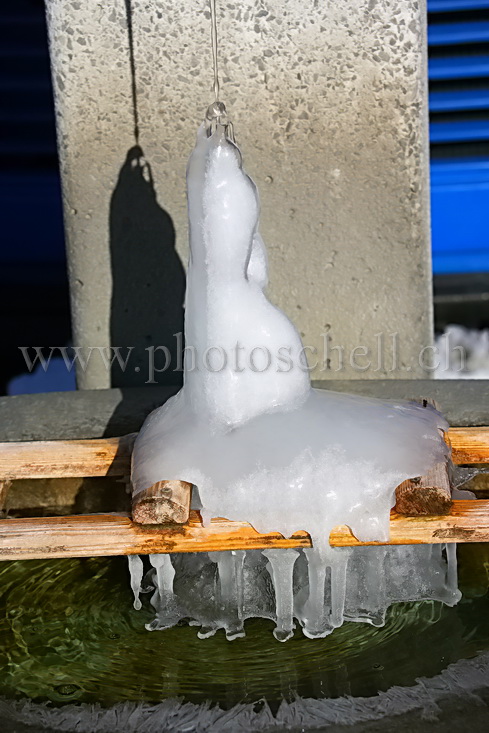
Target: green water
68,632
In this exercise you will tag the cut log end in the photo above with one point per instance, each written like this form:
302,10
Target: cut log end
429,495
415,501
426,495
166,502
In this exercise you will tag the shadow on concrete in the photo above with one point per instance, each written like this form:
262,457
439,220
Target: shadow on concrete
148,279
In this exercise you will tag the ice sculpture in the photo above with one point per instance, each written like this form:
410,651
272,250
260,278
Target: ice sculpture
259,444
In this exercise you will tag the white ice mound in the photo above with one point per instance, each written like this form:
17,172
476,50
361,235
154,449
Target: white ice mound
248,430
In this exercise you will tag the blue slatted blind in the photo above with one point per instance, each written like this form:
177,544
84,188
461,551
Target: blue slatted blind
458,40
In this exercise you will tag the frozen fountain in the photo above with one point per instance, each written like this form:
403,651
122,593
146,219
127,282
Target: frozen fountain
259,444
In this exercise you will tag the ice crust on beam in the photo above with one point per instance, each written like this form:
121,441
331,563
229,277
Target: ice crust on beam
259,443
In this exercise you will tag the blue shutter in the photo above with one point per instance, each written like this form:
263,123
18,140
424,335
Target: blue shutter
458,40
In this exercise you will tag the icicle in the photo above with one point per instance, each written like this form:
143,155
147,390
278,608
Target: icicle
209,628
225,570
281,568
315,622
239,559
230,572
338,563
373,597
136,572
165,573
452,574
313,612
168,612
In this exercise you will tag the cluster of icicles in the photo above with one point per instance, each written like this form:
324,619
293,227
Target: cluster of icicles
260,445
220,590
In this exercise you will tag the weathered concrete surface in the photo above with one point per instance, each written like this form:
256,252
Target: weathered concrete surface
329,105
113,412
82,414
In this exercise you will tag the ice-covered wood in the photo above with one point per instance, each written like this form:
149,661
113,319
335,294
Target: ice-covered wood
428,494
115,534
112,456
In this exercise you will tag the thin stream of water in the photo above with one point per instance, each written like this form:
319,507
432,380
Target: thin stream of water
214,43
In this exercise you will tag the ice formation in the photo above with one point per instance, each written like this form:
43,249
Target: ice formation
259,444
443,700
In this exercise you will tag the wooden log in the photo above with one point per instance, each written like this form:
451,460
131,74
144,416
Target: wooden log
115,534
112,456
428,494
165,501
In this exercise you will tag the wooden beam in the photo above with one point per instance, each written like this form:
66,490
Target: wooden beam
67,458
112,456
115,534
469,445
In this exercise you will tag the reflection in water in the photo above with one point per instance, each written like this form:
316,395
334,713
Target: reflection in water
68,632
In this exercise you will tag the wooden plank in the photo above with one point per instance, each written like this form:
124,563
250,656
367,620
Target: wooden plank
67,458
115,534
469,445
112,456
165,501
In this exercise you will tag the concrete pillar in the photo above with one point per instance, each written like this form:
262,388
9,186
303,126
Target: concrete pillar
329,102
